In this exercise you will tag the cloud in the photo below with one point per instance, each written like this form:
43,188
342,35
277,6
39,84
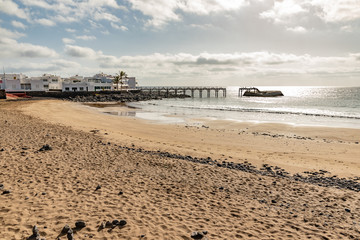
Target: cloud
298,29
70,30
163,11
86,37
283,10
11,8
45,22
80,52
11,48
18,24
5,33
329,11
71,11
119,27
337,11
68,40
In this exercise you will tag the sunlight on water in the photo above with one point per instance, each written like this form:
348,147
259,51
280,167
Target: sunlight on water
299,105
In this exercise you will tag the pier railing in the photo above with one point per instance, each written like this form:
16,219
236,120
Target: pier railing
184,90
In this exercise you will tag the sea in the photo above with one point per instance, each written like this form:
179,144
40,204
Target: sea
301,106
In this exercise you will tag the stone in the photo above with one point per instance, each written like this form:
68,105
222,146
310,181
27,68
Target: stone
108,224
347,210
122,223
120,193
70,234
6,192
80,224
35,231
115,222
98,187
1,186
65,229
46,147
197,235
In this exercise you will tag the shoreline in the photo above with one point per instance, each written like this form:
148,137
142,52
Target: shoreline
57,173
295,149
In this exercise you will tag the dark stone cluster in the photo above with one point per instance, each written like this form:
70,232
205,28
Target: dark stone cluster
123,96
318,178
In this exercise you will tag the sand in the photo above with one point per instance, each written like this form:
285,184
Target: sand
162,197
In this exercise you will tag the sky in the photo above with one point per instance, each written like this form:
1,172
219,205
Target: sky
186,42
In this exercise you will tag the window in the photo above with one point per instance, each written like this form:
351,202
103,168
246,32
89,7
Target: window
81,89
74,89
46,86
24,86
54,80
45,80
67,89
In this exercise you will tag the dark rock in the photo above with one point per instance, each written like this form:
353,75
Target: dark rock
46,147
65,229
108,224
205,232
1,186
347,210
35,231
70,234
197,235
120,193
115,222
6,192
80,224
273,201
1,150
98,187
122,223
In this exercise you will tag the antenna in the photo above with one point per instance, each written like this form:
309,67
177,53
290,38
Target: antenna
3,78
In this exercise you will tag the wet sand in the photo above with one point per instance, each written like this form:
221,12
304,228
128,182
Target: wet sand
99,176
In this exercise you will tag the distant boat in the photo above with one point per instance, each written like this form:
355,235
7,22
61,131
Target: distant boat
254,92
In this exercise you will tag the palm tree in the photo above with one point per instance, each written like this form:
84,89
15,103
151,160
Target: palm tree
116,80
122,76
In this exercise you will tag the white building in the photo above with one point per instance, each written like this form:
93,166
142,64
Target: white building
50,82
131,82
14,82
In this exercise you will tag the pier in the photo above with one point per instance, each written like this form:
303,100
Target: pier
184,90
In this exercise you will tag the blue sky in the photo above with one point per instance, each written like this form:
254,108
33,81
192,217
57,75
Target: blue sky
186,42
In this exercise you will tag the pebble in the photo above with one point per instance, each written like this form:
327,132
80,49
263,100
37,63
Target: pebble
70,234
98,187
6,192
347,210
65,229
46,147
122,223
115,222
80,224
1,186
197,235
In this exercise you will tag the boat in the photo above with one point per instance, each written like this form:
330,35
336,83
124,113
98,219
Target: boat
254,92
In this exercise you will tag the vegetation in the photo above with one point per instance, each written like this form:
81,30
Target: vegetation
119,79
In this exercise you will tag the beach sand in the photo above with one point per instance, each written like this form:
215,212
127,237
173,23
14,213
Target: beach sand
163,197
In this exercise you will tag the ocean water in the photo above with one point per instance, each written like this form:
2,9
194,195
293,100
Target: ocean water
303,106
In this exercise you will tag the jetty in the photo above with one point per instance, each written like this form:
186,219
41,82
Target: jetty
185,90
255,92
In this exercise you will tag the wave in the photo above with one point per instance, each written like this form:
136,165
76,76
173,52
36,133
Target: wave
259,110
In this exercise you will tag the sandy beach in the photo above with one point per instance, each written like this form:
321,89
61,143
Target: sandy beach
63,162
